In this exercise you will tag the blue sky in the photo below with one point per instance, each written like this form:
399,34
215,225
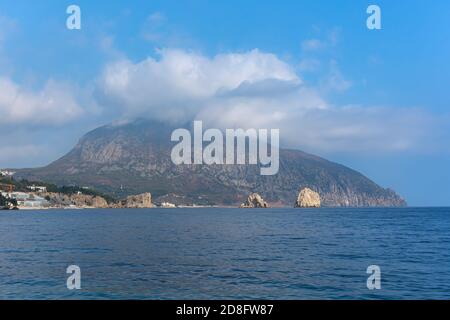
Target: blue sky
375,100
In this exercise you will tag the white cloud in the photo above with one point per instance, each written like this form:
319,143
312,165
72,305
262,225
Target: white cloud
334,80
330,39
309,65
364,129
256,89
156,18
53,104
154,27
179,84
313,45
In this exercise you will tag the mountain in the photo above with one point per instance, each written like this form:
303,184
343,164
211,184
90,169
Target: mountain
132,158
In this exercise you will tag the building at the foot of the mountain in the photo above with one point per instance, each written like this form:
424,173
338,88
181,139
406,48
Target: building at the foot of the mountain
27,200
37,188
6,173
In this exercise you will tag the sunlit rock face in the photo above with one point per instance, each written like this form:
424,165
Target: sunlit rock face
139,201
308,199
255,201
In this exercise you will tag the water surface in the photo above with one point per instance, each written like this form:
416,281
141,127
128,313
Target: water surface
216,253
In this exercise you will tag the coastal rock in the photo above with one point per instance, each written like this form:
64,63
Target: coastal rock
82,200
254,201
308,199
99,202
77,200
143,200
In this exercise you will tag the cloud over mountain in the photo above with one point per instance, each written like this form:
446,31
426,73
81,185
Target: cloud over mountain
180,84
256,90
250,89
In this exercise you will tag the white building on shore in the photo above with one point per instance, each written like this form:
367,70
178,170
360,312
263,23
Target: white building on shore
168,205
6,173
28,200
37,188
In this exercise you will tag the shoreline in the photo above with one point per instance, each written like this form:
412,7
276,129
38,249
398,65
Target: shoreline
203,207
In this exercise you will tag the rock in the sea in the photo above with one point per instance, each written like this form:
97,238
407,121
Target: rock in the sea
138,201
254,201
308,199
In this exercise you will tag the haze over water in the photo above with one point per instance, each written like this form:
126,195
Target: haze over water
217,253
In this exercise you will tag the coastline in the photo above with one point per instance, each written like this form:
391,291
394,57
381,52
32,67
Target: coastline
208,207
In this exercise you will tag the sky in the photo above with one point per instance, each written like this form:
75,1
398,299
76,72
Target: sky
374,100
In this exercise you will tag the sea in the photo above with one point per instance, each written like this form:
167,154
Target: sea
218,253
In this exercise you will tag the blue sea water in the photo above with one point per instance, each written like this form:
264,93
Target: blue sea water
214,253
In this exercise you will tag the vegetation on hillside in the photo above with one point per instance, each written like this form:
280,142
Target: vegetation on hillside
22,186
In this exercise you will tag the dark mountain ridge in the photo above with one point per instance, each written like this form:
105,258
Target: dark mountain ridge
134,157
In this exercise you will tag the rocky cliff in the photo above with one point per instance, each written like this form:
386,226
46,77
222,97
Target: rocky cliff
134,158
77,200
254,201
136,201
308,199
